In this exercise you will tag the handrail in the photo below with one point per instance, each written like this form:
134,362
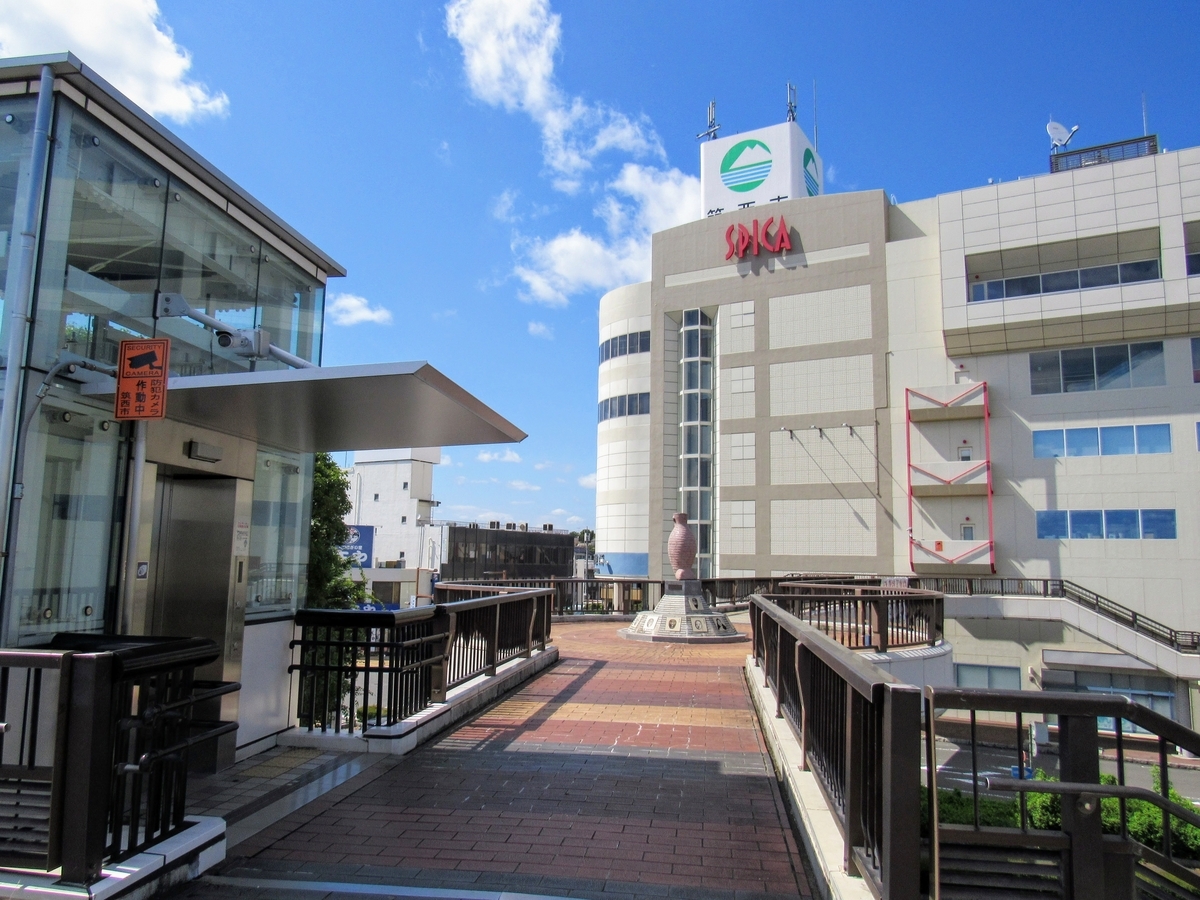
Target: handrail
1180,641
1123,791
879,617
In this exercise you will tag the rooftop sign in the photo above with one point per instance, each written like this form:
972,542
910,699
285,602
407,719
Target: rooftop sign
758,168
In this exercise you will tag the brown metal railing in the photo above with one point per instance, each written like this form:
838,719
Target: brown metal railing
859,731
865,616
359,670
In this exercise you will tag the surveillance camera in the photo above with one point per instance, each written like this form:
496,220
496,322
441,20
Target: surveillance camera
224,338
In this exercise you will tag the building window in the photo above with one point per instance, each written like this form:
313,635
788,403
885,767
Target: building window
1110,524
964,454
625,405
376,496
1196,360
1191,242
1110,440
404,520
624,345
696,444
993,678
1097,368
967,532
406,485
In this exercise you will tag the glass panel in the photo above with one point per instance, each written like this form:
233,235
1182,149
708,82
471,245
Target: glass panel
969,676
16,140
1052,524
967,532
706,343
1082,442
281,513
1147,364
601,410
1193,264
690,505
291,306
1060,281
691,344
706,505
1087,523
706,376
101,243
691,376
621,405
645,404
1048,444
1004,678
691,472
691,407
691,317
978,292
995,290
1196,360
705,539
1146,270
622,345
1078,370
1117,440
691,439
1121,524
705,408
1158,524
1154,438
1044,375
1112,367
705,473
706,440
704,319
69,521
1022,287
645,342
1100,276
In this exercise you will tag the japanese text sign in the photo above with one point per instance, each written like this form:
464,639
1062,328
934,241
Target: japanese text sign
142,379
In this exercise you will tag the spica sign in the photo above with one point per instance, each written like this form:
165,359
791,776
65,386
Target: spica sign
142,379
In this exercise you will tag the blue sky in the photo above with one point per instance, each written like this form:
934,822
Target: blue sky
485,173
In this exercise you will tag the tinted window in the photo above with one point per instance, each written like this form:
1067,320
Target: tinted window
1196,360
620,406
1048,444
995,290
1044,376
1060,281
1154,439
1158,524
1078,370
645,342
1087,523
978,291
1101,276
622,345
1022,287
1052,524
1121,524
645,404
1112,367
1117,440
1147,367
1082,442
1139,271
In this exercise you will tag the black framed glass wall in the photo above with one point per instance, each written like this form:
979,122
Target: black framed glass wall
696,437
16,141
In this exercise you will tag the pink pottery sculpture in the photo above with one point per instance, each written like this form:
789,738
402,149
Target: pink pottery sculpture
681,548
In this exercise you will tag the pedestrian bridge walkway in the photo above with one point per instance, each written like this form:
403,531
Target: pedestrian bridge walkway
628,770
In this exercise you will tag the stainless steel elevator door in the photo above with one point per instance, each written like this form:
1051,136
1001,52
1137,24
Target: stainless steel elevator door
191,552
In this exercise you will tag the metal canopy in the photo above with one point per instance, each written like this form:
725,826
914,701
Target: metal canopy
375,407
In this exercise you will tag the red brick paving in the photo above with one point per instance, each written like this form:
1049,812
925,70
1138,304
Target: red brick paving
629,764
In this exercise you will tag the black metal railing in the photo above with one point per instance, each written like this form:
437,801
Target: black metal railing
360,670
1065,160
859,731
1178,640
95,747
1072,831
865,616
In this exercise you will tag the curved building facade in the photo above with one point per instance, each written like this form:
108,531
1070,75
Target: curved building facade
623,433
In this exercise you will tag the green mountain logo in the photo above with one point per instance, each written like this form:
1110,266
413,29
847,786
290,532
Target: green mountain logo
746,165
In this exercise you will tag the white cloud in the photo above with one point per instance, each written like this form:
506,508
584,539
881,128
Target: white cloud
542,330
588,481
508,54
638,202
445,460
508,456
350,309
558,512
126,41
542,465
524,486
502,206
830,173
574,520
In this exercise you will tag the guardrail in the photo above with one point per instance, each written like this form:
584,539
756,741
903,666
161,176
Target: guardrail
859,732
359,670
1180,641
1085,844
865,616
94,750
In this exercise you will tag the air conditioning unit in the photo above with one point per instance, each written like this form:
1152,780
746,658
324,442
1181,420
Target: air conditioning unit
493,525
524,526
510,526
547,527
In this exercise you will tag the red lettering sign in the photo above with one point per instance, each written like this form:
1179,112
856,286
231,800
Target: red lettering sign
752,239
142,379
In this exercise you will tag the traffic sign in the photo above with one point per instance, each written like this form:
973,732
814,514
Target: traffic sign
142,379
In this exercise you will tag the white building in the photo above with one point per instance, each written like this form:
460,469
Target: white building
996,380
392,490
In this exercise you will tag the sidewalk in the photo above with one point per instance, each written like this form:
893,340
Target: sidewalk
629,770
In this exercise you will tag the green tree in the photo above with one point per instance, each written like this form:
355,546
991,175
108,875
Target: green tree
329,583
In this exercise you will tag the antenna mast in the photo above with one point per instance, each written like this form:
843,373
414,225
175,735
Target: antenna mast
791,102
713,127
1145,130
816,134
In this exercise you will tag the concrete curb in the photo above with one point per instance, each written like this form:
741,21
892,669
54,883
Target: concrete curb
465,700
818,828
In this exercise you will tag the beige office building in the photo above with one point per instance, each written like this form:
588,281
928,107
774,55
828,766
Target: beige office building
996,381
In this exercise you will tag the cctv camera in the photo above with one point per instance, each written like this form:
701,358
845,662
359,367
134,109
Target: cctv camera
224,338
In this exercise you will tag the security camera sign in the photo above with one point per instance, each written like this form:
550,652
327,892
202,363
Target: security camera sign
142,379
360,546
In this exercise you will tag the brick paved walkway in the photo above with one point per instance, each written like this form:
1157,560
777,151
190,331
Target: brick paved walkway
628,770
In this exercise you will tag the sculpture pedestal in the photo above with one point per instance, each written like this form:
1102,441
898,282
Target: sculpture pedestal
683,616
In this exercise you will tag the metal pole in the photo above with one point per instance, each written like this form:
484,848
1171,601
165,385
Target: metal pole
132,526
20,298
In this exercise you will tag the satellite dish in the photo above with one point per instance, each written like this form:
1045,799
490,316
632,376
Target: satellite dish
1059,135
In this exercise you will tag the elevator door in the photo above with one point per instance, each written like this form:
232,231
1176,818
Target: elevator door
192,554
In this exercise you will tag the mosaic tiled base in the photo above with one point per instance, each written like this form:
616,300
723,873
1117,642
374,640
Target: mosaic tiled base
683,616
